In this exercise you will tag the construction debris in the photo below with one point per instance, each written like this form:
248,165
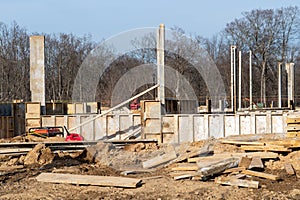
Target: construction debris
237,182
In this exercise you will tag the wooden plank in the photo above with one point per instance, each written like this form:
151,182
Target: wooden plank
289,168
236,182
293,134
11,168
263,155
185,167
199,153
245,162
218,167
292,119
233,170
186,176
286,142
261,175
14,150
293,127
89,180
256,163
266,148
159,160
237,142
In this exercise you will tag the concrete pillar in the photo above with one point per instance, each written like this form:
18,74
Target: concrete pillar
240,80
161,63
232,77
291,82
250,79
279,85
37,70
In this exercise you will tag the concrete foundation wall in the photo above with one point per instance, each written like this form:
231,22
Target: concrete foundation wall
176,128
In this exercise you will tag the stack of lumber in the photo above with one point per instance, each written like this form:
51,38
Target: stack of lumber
293,126
238,169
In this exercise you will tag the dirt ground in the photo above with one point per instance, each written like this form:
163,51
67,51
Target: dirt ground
156,184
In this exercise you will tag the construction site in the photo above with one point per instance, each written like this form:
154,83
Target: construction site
159,148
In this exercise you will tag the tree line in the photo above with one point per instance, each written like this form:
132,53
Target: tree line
272,35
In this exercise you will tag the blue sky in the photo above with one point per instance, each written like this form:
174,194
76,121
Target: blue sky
103,19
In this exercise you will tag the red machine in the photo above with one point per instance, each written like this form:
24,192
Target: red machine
52,131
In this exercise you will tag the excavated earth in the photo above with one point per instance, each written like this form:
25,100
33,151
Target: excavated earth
106,160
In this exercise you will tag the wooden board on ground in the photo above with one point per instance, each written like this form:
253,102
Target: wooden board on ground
237,142
11,168
234,170
199,153
218,167
293,127
245,162
159,160
289,168
286,142
261,175
236,182
89,180
275,148
263,155
185,167
256,163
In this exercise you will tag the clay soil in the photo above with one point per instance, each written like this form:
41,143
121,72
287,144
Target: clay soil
156,184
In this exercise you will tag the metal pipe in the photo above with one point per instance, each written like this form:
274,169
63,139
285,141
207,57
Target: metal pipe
250,78
240,80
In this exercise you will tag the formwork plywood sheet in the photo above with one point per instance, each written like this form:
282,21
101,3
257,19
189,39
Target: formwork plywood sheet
199,131
261,124
125,122
59,121
152,109
87,130
79,108
48,120
230,126
168,124
33,110
185,129
72,121
216,126
91,107
100,128
33,123
277,124
245,124
112,126
70,108
136,120
152,126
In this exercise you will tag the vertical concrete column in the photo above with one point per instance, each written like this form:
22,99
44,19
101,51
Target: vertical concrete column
240,80
161,73
232,77
291,78
279,85
161,63
250,78
37,70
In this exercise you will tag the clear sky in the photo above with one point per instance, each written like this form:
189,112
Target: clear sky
103,19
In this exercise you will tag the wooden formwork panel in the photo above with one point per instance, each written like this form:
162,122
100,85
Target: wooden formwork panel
7,127
32,110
